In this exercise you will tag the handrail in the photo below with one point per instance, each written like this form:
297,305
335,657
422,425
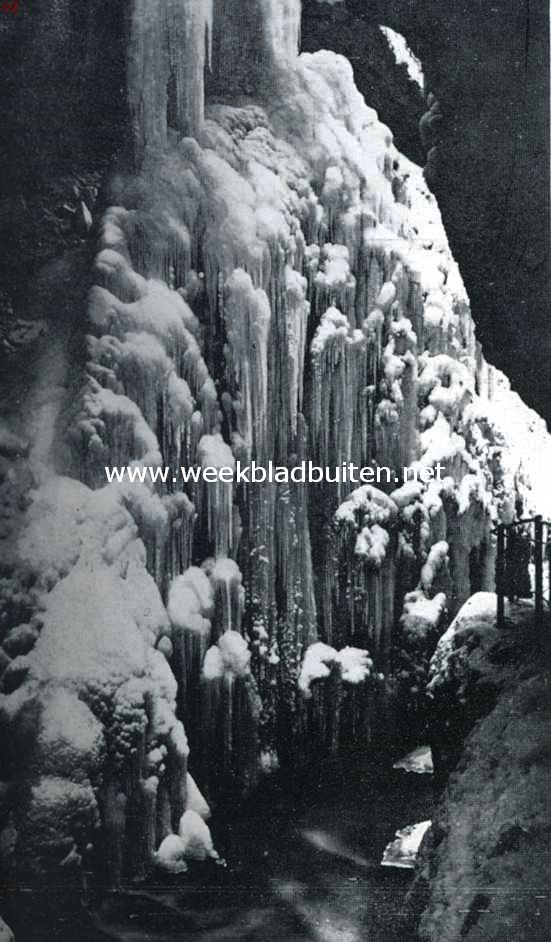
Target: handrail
510,566
518,523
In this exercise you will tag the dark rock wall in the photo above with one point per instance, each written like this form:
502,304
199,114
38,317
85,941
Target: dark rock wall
62,119
487,65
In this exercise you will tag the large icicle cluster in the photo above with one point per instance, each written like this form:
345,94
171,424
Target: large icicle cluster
277,286
282,290
88,702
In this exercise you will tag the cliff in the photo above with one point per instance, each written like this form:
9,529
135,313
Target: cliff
483,868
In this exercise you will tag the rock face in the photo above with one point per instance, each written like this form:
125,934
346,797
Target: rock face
269,280
488,68
484,864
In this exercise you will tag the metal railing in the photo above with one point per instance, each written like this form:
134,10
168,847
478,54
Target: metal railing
523,565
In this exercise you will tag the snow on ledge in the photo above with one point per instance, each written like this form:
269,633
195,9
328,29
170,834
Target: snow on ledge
404,56
418,761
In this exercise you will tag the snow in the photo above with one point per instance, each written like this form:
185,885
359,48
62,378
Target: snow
372,544
436,560
235,653
354,663
473,626
422,616
229,658
190,602
170,855
315,665
368,503
403,54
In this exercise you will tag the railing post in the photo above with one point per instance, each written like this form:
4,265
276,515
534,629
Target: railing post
500,575
548,555
538,565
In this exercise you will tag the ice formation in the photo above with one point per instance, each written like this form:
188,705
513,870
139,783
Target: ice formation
258,291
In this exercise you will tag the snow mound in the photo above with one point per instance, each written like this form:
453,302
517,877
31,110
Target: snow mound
171,855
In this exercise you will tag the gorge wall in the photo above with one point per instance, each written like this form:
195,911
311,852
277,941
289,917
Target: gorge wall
262,275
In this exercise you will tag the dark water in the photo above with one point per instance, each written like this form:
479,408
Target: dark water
303,863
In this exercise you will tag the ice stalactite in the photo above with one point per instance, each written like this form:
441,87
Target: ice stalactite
340,376
226,581
190,609
169,43
252,41
230,707
247,320
215,498
365,558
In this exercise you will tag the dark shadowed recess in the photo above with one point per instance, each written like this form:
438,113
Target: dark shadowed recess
487,63
62,119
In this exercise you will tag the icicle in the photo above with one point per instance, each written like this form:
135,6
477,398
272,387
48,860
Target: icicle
226,580
217,496
247,319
